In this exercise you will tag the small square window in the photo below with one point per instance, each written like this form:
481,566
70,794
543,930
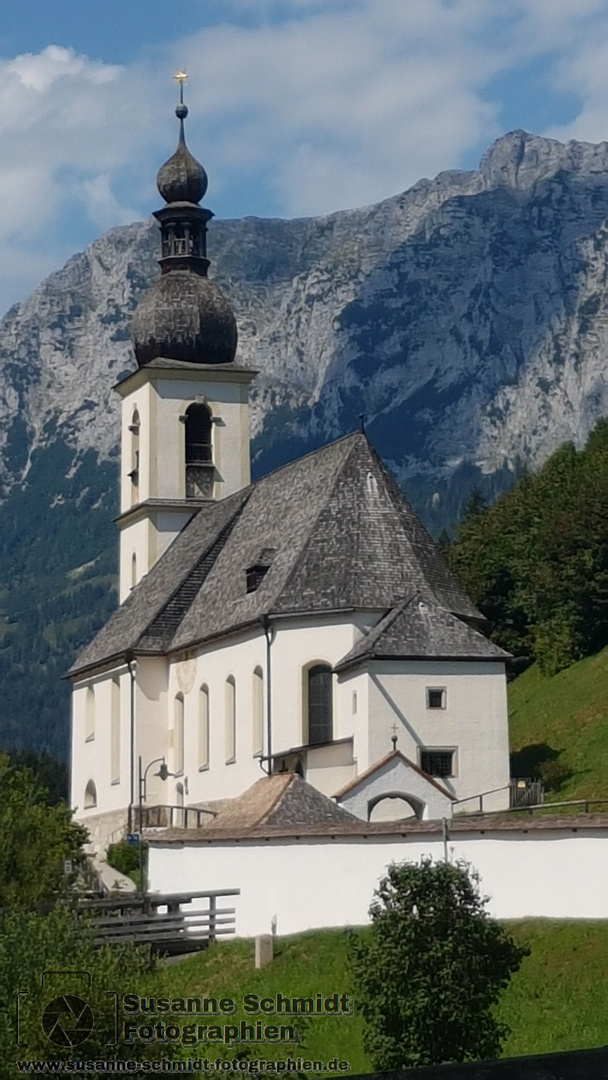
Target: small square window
435,697
437,762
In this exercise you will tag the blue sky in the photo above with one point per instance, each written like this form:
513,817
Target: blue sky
297,107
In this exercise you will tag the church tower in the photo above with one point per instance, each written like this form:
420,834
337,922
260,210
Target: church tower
185,411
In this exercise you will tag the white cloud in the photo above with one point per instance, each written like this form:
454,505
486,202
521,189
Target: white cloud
349,105
67,129
314,104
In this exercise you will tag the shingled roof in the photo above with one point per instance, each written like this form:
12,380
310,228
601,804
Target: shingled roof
279,801
417,628
343,536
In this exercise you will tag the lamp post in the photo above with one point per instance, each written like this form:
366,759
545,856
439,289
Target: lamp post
163,772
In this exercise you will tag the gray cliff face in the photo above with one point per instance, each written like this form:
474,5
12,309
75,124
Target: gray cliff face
467,318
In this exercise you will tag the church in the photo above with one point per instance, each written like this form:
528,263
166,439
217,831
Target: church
304,624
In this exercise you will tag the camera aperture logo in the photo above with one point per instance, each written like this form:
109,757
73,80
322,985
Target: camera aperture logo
67,1020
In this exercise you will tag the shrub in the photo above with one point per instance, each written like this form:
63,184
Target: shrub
431,969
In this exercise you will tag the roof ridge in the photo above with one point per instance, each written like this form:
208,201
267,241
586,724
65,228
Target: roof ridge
390,615
311,453
377,765
279,795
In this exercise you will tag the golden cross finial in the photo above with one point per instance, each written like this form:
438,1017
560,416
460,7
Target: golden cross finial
180,77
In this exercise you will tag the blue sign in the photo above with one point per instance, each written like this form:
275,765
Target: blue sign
133,838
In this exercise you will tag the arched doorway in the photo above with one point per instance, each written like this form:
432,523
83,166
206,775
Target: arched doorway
395,806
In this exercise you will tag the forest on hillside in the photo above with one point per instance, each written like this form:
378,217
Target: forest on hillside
536,561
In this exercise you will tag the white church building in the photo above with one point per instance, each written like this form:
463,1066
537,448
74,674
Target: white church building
305,623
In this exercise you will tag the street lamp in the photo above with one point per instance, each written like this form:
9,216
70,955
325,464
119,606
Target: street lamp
163,773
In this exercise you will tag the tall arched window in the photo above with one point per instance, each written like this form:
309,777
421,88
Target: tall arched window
203,727
258,711
178,734
134,427
89,715
115,731
320,704
199,456
133,570
90,795
230,719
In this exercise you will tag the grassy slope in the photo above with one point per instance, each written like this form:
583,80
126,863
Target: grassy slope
557,1001
567,713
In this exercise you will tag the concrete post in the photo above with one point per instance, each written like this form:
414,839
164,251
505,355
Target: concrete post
263,950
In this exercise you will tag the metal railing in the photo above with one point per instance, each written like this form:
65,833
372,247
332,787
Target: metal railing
522,794
480,797
547,807
166,816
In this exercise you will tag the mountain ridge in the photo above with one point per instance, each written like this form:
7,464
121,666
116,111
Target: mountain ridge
466,318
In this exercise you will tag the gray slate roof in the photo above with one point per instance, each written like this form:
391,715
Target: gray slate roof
343,536
418,628
282,800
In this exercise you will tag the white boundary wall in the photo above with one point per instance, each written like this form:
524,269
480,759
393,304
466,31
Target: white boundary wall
311,883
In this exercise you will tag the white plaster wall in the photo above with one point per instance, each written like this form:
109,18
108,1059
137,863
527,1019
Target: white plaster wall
91,758
151,725
393,778
526,875
294,647
136,537
228,402
139,398
160,401
475,720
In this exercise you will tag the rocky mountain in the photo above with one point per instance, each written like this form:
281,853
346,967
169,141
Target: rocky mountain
465,318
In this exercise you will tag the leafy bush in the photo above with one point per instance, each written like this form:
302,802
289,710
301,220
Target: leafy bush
60,944
35,841
553,774
431,969
124,857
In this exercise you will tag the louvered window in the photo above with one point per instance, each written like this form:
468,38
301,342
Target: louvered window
199,455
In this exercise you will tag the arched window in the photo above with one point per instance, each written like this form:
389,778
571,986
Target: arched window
89,715
230,719
258,711
134,473
115,731
90,795
133,570
178,734
320,704
203,727
199,456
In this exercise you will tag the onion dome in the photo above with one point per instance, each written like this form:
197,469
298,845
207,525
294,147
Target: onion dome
183,316
182,178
